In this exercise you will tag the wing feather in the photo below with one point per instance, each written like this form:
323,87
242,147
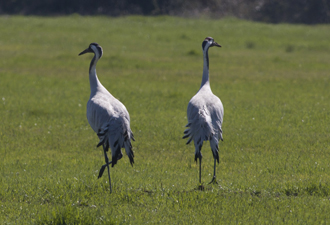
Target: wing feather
205,116
109,118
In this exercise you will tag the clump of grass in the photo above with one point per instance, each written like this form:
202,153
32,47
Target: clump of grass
184,37
277,59
192,52
289,48
250,45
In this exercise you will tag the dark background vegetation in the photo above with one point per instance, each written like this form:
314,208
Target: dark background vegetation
272,11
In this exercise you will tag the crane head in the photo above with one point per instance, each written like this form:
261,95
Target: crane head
209,42
93,48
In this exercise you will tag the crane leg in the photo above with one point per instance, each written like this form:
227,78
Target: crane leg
103,168
214,178
200,187
200,171
107,165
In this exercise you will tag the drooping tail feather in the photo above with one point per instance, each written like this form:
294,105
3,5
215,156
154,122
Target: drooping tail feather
214,142
116,155
116,141
102,136
129,152
187,133
202,130
128,146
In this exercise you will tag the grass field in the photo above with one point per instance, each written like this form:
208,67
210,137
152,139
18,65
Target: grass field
273,81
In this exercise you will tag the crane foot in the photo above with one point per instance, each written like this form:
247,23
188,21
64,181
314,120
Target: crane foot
213,181
201,187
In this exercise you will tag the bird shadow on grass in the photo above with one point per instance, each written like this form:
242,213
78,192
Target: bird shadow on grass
200,187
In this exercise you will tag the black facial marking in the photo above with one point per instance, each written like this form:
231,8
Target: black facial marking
206,40
98,47
203,44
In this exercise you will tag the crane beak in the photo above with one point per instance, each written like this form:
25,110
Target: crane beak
85,51
215,44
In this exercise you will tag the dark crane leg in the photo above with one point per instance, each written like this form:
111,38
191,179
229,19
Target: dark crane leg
107,163
200,171
103,167
214,178
200,187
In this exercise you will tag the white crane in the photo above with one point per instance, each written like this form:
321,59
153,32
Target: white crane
107,116
205,115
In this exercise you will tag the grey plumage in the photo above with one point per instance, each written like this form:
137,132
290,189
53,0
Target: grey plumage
205,113
107,116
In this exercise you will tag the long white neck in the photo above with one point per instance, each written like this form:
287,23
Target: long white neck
93,80
205,79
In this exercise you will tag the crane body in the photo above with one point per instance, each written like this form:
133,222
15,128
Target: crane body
205,114
108,117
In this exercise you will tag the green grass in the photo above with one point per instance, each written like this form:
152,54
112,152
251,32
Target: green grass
273,81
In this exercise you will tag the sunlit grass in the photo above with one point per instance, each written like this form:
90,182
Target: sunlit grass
273,81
